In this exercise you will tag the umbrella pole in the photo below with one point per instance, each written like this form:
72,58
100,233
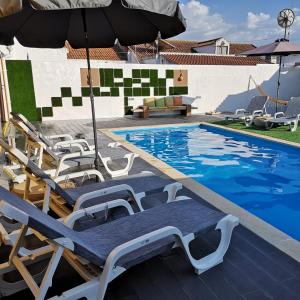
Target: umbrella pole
278,81
90,83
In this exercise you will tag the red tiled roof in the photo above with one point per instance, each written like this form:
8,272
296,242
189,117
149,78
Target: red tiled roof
181,59
240,48
95,53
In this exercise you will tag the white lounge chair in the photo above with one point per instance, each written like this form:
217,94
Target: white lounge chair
255,108
291,117
112,247
62,160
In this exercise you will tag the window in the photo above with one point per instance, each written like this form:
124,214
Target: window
222,49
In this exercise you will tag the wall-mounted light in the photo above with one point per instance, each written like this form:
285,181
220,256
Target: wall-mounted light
180,78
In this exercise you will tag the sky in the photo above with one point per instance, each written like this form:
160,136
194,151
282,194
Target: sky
248,21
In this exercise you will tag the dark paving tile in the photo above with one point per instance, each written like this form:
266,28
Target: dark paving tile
257,295
192,284
165,278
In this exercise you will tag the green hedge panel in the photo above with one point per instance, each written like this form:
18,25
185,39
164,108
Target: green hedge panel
21,88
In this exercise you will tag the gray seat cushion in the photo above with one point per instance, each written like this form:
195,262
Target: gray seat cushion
95,244
140,183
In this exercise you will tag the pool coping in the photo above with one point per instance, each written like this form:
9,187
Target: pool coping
271,234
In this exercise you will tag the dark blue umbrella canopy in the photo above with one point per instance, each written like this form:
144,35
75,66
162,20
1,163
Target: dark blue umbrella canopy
50,23
88,24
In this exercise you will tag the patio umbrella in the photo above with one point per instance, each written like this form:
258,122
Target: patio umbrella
278,48
88,23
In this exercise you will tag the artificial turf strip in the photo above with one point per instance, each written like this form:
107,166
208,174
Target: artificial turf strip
21,88
278,132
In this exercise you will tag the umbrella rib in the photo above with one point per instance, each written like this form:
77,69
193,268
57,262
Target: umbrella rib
26,20
108,20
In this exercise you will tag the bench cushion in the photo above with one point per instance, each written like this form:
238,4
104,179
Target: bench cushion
177,100
169,101
150,102
160,103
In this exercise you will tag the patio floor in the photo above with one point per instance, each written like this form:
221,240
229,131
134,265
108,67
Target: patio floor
252,269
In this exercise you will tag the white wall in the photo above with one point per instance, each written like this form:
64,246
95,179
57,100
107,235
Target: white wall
222,88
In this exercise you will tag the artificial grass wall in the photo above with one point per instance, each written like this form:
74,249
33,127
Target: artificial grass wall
21,88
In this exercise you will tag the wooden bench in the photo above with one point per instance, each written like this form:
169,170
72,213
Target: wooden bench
163,105
145,111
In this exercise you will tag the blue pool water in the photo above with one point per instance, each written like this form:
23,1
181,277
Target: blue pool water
261,176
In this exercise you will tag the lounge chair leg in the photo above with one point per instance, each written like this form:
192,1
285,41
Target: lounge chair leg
87,290
293,126
226,225
248,121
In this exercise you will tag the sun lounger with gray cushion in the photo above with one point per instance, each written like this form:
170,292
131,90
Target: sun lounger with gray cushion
78,148
116,246
135,187
255,108
291,117
58,141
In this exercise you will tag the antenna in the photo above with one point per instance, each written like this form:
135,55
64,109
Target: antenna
286,19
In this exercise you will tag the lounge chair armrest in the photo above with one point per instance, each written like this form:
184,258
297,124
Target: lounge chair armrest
114,145
240,110
60,136
76,215
75,175
279,114
107,191
258,112
74,143
70,156
172,190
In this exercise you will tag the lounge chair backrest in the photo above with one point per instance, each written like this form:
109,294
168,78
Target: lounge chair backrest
271,108
257,103
34,137
293,108
19,117
32,168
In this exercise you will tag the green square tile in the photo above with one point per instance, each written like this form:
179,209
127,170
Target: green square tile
128,110
85,92
136,73
162,82
135,80
146,92
118,73
109,77
47,111
128,92
162,91
119,84
102,77
114,92
105,94
145,84
96,91
154,78
169,74
171,90
127,82
145,73
125,101
66,92
137,92
56,101
156,91
180,91
76,101
39,114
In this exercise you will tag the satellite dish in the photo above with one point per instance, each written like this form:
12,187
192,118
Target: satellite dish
286,18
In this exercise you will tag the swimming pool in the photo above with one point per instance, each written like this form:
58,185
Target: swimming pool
260,176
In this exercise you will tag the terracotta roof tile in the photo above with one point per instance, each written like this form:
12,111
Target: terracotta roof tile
95,53
240,48
182,59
